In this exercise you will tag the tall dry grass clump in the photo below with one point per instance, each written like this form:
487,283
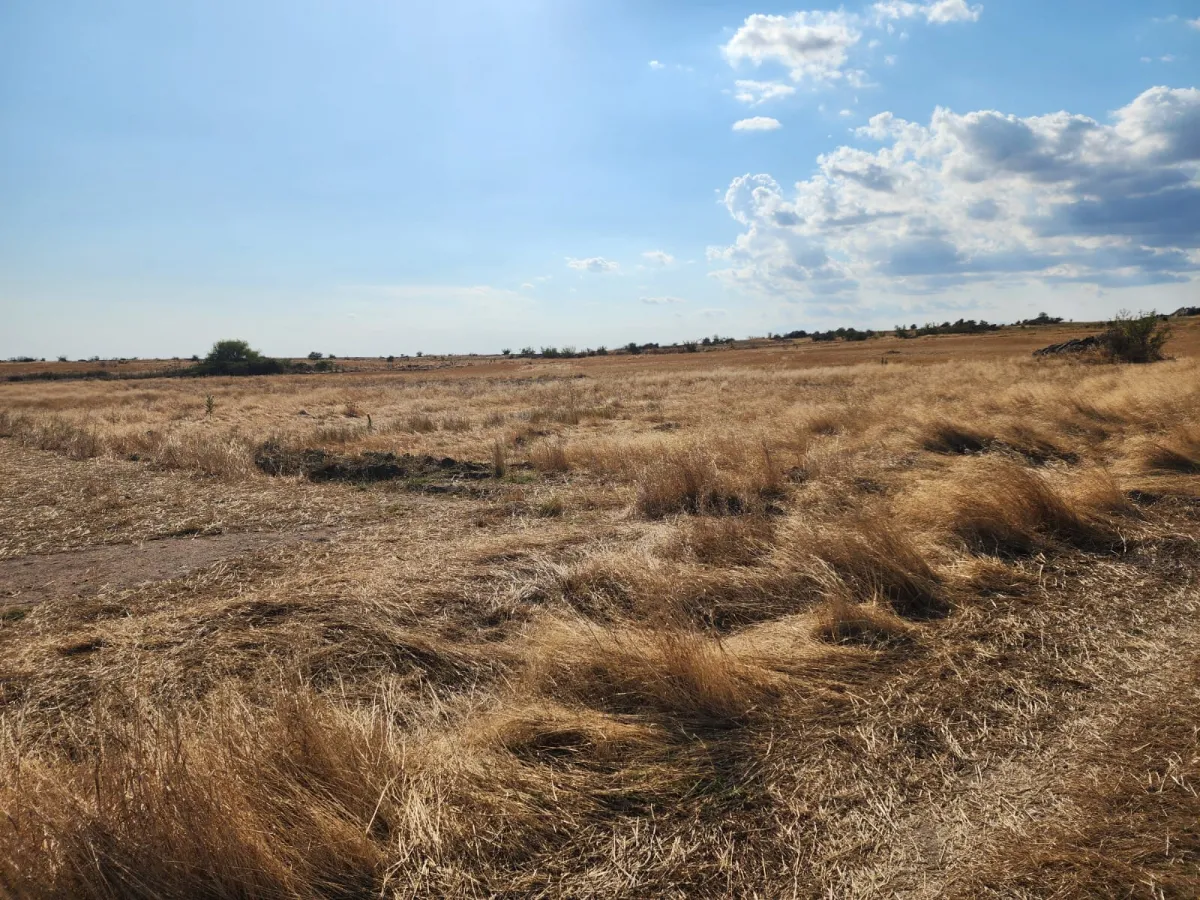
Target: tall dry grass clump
689,480
877,560
1177,452
665,671
1003,508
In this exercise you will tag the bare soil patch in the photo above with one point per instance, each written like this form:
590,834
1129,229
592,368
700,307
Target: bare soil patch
32,579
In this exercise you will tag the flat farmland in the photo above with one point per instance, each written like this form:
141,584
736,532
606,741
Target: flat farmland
899,617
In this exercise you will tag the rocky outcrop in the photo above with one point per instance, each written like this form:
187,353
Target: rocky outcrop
1078,345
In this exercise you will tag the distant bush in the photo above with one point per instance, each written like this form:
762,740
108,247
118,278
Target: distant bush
561,353
1042,319
316,354
845,334
633,347
962,326
1135,338
232,357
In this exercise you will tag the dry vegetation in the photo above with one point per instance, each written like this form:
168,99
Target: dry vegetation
736,629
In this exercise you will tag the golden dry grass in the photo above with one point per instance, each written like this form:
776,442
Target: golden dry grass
734,629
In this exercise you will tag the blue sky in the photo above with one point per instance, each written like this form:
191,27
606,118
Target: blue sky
378,177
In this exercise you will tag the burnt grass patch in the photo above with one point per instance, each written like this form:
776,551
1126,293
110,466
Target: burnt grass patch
321,465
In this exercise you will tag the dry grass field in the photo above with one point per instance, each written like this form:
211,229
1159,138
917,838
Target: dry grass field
781,621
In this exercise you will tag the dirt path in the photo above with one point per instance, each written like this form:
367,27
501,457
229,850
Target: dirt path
32,579
52,504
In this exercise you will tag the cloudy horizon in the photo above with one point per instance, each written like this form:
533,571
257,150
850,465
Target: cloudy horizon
495,175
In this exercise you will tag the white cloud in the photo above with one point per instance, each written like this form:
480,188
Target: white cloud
756,92
1195,23
592,264
757,123
982,197
813,45
658,257
655,64
846,113
661,301
937,12
890,60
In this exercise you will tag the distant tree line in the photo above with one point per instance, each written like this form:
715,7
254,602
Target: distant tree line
962,326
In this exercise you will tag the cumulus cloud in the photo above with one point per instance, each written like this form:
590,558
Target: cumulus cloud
592,264
757,123
1195,23
982,196
756,92
661,301
658,257
815,46
812,44
655,64
937,12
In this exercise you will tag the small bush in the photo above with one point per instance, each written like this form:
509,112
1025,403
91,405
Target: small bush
1135,338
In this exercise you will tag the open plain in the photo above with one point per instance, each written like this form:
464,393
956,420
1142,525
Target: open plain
899,618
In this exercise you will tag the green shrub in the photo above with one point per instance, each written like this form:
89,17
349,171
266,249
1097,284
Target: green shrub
1135,338
238,358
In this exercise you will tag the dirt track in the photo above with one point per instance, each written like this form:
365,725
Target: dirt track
31,579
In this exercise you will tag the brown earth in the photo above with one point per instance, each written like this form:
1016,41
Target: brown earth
30,579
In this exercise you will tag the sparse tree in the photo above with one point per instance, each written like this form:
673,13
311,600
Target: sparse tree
232,357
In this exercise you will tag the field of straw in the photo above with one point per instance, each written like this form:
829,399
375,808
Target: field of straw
714,625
